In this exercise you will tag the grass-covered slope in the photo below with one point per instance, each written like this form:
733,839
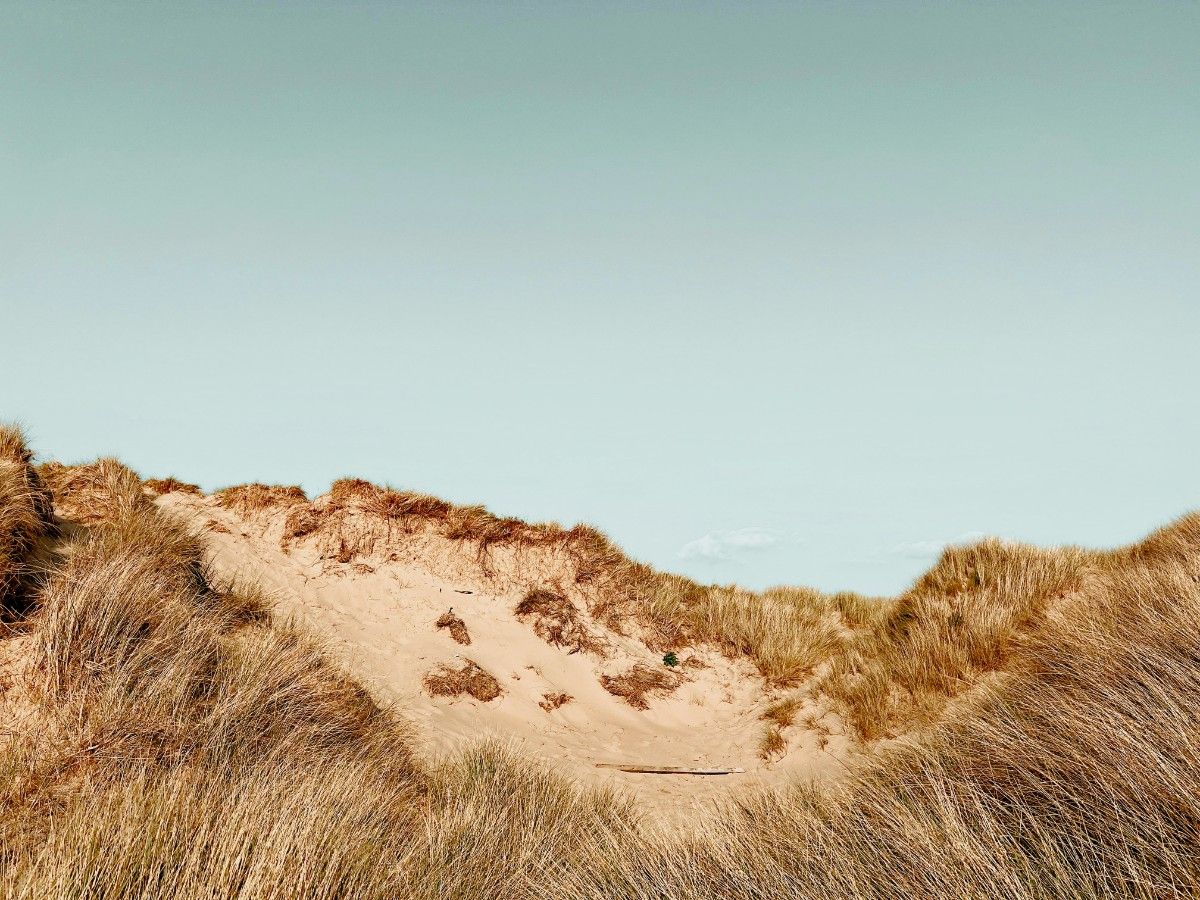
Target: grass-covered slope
165,738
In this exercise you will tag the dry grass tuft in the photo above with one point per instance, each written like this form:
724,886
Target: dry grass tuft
783,712
556,621
470,679
772,745
639,682
458,628
171,485
553,701
103,491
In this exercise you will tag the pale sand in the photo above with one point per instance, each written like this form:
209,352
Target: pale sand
376,617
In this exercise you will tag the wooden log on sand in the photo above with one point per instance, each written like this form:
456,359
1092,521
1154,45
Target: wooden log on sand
668,770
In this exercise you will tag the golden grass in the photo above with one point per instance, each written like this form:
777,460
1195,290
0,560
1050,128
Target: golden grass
104,490
783,712
772,744
958,623
185,746
25,513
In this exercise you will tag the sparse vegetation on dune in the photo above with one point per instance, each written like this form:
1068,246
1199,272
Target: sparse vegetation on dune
176,742
787,632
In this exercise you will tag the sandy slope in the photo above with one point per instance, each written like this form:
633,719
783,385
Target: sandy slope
377,616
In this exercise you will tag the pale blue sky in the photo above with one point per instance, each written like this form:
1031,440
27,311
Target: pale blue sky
770,293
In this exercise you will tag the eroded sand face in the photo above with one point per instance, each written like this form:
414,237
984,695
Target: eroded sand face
377,616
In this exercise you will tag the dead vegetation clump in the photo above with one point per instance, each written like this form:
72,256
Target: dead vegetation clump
170,485
557,621
458,628
552,701
639,682
445,681
357,518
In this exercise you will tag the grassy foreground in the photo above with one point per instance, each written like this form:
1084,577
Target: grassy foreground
170,740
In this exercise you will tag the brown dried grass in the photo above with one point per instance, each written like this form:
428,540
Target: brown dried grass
445,681
552,701
171,485
25,513
783,712
639,682
557,621
458,628
772,745
102,491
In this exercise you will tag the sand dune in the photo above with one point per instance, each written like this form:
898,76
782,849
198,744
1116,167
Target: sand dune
378,614
378,694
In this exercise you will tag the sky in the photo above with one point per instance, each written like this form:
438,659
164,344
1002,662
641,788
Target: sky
770,293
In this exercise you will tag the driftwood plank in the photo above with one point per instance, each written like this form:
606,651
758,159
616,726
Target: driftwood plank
668,770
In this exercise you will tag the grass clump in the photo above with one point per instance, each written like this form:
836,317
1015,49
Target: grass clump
553,700
456,626
773,744
959,623
252,499
557,621
639,682
171,485
470,678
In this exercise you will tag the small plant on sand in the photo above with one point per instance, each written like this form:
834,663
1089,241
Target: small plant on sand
671,659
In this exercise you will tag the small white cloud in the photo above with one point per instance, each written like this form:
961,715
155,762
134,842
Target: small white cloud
728,544
930,549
